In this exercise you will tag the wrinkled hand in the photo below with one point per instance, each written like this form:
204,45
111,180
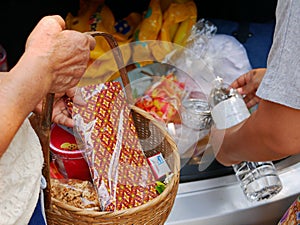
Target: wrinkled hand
60,113
63,54
247,85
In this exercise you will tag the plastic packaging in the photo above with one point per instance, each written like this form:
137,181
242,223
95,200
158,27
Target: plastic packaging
164,94
104,129
195,113
258,180
77,193
228,107
162,99
208,54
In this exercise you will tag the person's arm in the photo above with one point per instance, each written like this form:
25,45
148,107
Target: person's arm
270,133
54,61
20,90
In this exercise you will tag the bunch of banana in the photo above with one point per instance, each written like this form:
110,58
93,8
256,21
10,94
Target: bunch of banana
179,19
170,22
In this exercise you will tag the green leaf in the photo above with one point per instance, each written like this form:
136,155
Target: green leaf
160,187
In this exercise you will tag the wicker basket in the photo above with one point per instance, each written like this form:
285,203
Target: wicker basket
153,212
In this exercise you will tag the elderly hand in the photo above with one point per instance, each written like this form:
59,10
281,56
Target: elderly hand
60,114
247,85
64,54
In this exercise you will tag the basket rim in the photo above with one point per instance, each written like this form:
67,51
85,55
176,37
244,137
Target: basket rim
85,212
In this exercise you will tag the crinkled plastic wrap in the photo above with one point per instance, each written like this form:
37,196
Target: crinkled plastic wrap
163,92
190,60
74,192
198,40
208,55
104,128
162,98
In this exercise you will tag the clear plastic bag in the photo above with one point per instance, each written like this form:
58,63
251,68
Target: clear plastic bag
208,55
74,192
162,92
105,130
162,98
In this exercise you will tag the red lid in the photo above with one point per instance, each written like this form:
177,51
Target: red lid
62,141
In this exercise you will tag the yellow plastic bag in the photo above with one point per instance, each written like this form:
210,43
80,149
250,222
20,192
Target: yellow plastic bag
179,19
151,24
96,16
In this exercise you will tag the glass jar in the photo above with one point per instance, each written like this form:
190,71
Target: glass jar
195,114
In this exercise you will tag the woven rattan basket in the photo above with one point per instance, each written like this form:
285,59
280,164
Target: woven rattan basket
153,212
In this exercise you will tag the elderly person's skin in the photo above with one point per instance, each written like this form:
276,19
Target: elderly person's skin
53,62
257,138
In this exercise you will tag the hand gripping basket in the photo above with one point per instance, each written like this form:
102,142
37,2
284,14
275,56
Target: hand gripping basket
153,212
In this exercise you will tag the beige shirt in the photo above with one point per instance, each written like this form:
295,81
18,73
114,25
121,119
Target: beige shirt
20,176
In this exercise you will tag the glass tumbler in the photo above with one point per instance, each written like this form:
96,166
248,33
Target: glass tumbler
195,114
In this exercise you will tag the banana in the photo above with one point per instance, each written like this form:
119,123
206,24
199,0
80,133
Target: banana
185,26
178,18
173,29
183,31
174,16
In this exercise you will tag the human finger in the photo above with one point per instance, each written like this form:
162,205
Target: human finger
92,41
71,92
46,28
63,118
252,102
249,88
248,97
54,21
61,114
241,80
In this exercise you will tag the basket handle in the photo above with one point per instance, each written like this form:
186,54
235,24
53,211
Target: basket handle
45,121
118,58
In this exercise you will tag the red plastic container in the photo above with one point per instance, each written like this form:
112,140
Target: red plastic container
68,159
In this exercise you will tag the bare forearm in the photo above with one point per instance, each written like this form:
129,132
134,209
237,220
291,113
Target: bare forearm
264,136
21,90
54,61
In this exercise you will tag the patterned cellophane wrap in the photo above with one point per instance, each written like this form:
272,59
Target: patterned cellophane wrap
120,172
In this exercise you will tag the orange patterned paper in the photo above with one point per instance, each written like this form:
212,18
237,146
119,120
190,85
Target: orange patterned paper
118,165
